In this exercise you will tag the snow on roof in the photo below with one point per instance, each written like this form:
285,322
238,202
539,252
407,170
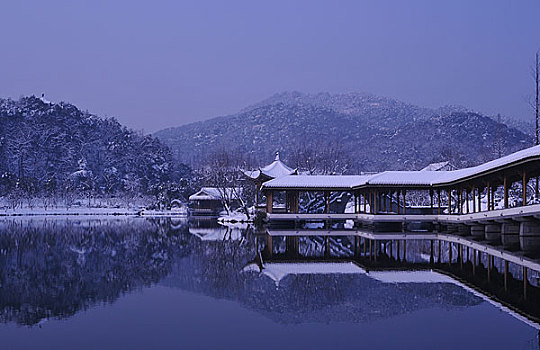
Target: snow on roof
435,166
318,181
278,271
411,178
273,170
211,193
405,178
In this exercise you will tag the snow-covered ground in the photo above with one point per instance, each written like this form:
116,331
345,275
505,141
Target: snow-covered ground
88,211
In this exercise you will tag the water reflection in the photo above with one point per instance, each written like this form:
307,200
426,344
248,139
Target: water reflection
54,268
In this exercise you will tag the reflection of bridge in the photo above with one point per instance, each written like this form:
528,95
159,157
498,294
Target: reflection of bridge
503,275
473,201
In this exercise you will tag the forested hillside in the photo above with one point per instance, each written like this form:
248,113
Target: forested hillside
361,132
55,149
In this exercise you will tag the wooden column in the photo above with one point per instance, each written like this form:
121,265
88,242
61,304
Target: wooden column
397,200
384,198
439,253
493,189
479,199
488,195
505,184
390,199
524,184
467,200
439,201
431,200
326,202
473,199
269,201
365,203
404,203
449,253
459,194
449,201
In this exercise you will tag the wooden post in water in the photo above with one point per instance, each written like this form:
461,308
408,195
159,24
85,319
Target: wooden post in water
489,267
398,250
326,246
365,247
431,253
460,254
474,262
506,275
439,253
524,283
269,248
404,250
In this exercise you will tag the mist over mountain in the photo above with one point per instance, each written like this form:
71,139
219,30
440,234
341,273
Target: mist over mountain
375,133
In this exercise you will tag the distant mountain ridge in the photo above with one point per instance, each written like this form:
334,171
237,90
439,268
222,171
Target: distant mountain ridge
375,133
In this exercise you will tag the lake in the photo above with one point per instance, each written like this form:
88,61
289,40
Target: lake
140,283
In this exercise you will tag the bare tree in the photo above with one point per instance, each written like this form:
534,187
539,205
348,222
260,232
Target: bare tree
223,170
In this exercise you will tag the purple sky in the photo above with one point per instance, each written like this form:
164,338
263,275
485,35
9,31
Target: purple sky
156,64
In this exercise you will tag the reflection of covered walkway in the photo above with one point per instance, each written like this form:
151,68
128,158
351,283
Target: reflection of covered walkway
411,258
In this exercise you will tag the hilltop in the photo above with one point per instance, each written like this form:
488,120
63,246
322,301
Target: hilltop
374,133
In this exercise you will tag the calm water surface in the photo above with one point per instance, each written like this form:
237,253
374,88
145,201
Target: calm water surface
134,283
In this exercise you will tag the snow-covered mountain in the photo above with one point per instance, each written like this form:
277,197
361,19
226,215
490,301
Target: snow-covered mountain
48,148
375,133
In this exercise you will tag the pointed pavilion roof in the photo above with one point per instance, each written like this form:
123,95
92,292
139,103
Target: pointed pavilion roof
273,170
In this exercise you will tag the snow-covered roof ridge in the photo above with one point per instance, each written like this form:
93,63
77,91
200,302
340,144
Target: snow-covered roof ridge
403,178
273,170
316,181
213,193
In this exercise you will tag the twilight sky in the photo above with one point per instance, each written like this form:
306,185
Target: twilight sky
161,63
